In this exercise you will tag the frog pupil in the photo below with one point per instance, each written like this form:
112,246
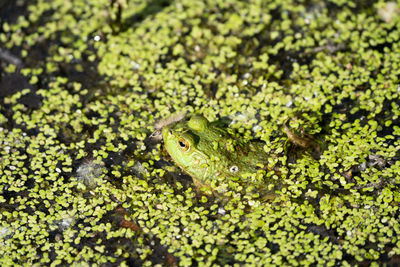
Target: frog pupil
182,144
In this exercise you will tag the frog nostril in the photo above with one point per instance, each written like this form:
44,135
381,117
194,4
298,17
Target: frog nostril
166,132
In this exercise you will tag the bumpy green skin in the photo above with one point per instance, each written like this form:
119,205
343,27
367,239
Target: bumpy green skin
208,152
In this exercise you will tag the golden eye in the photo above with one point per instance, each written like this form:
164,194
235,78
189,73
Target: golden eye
183,144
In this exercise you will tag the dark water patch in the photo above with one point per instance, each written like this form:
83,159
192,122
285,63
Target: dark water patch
11,83
152,8
10,10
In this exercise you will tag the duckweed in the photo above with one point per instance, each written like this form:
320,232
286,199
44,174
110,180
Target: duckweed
83,182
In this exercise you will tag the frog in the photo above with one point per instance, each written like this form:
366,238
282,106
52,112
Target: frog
210,154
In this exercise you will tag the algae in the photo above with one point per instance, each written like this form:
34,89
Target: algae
84,85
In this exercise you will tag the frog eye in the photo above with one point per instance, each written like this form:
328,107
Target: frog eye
234,169
183,144
198,123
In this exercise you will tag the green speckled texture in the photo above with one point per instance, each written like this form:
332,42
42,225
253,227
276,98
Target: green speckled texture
86,86
210,155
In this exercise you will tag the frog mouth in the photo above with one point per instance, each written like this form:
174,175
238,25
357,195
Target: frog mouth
200,165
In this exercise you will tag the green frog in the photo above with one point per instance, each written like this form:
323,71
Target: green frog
212,156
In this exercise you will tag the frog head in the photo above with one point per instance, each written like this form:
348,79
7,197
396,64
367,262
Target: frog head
183,143
210,154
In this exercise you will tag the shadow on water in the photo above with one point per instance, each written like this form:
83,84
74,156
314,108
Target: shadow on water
10,10
11,83
153,7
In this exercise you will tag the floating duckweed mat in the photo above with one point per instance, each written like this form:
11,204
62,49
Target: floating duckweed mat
83,180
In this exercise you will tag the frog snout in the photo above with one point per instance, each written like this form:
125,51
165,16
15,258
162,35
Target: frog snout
166,132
